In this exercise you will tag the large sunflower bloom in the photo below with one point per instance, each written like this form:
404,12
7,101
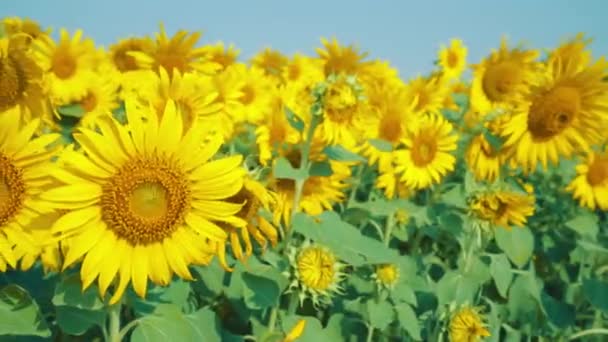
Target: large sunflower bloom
590,186
502,208
142,201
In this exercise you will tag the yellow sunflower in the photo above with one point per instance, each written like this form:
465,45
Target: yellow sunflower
256,197
590,186
301,67
258,94
271,61
427,94
565,113
386,275
502,208
484,160
316,273
275,134
389,182
142,201
20,78
16,25
39,243
67,63
119,52
339,59
25,163
427,153
224,56
503,77
178,52
453,59
297,95
466,325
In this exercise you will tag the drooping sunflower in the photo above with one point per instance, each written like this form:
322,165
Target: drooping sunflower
20,78
453,59
503,77
502,208
565,113
67,63
466,325
316,273
338,59
178,52
256,197
427,153
24,166
224,56
427,94
143,200
119,52
590,186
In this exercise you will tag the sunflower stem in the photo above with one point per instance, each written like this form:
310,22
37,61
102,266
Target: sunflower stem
595,331
114,323
370,333
272,321
388,229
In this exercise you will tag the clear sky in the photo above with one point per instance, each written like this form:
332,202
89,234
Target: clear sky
407,33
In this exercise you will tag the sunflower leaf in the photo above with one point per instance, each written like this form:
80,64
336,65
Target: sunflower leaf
381,145
294,120
321,169
596,292
381,314
283,169
517,243
339,153
72,110
75,321
494,140
585,224
20,314
259,292
409,321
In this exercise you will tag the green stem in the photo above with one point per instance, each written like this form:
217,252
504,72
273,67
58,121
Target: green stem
388,228
125,330
356,183
595,331
370,333
272,321
114,323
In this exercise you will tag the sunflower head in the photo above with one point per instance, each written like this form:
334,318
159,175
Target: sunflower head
453,59
590,186
387,275
427,94
316,272
224,56
16,25
466,325
271,61
339,59
501,208
119,52
300,67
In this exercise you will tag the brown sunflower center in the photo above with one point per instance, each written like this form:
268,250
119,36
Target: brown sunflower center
123,61
251,207
13,82
340,102
248,95
171,60
423,150
489,207
453,59
64,64
89,102
146,200
390,128
12,190
501,80
553,111
598,171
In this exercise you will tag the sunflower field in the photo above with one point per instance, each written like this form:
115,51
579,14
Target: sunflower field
163,190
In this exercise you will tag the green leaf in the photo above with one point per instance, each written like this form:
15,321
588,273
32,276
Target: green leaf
493,140
596,292
69,292
321,169
212,276
170,324
20,314
524,299
73,110
381,314
455,287
455,197
586,224
337,152
381,145
259,292
313,331
517,243
409,320
284,169
75,321
500,268
176,293
205,324
404,293
560,314
294,120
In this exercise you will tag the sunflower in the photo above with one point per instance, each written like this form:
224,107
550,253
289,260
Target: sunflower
502,208
24,166
178,52
256,197
143,200
453,59
67,63
271,61
258,94
502,78
386,275
379,72
301,67
39,243
297,95
275,134
427,154
339,59
483,159
565,113
466,325
224,56
590,186
119,52
16,25
389,182
20,78
316,273
427,94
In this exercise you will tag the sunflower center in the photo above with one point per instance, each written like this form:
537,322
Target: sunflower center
89,102
171,60
598,171
316,268
146,200
64,64
340,102
489,207
553,111
251,206
452,59
12,190
423,151
387,274
500,80
248,95
13,82
390,128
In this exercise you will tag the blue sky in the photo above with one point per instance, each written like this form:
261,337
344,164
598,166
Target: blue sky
407,33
